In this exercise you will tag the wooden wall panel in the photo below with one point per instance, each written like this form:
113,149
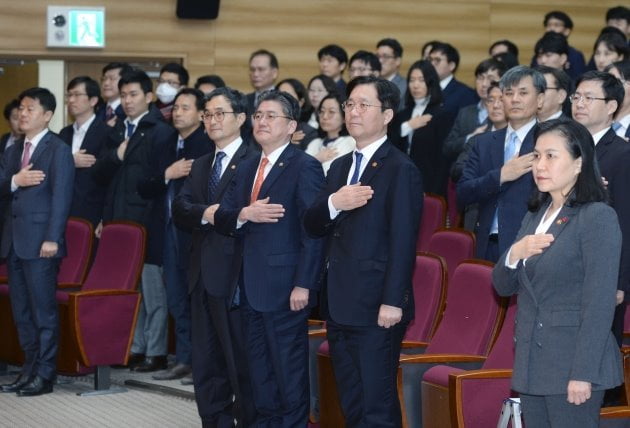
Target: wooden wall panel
296,30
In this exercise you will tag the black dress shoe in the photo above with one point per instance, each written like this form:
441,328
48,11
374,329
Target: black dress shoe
37,386
135,360
178,371
16,385
151,364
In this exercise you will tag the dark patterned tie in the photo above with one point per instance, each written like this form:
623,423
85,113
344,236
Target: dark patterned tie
130,128
357,168
215,176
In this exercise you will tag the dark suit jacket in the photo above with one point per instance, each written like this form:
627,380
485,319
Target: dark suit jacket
220,267
467,121
371,249
125,179
577,64
88,196
196,145
3,141
457,95
276,256
566,301
38,213
426,149
613,157
480,184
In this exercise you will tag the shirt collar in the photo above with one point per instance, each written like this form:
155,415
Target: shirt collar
114,103
444,82
625,121
554,116
36,139
598,135
369,150
83,128
230,149
273,156
137,119
522,132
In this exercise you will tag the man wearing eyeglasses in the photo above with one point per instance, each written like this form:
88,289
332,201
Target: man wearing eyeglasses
113,110
173,77
597,98
369,212
87,137
280,264
190,142
389,53
220,370
364,63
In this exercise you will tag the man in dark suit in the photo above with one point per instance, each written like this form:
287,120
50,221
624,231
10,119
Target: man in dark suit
263,72
86,137
113,110
621,70
556,103
445,59
473,119
280,263
597,97
220,369
389,53
190,143
370,213
12,116
497,173
130,165
38,172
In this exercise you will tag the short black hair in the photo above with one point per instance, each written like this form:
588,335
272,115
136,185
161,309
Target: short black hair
612,87
560,16
136,76
290,106
428,44
329,83
175,68
563,81
623,67
123,66
273,61
508,59
236,99
11,105
200,98
392,43
334,51
44,96
614,42
490,64
552,42
579,142
618,12
387,92
511,47
92,89
431,79
368,58
452,55
210,79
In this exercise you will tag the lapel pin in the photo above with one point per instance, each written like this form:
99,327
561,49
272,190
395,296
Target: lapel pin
374,164
562,220
281,164
233,166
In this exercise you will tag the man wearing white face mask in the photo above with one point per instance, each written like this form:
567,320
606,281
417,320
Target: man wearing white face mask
173,77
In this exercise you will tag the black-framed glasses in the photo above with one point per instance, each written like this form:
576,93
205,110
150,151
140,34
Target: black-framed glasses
218,115
586,99
268,116
348,106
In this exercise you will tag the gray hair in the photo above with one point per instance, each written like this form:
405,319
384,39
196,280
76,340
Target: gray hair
290,106
514,75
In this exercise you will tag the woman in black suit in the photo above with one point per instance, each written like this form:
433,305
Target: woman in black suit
422,126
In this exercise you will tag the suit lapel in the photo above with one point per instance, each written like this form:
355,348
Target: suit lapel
230,171
41,147
375,163
498,148
604,144
528,142
276,170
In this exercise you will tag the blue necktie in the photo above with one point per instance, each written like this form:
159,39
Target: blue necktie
357,168
130,128
180,148
511,147
215,176
616,126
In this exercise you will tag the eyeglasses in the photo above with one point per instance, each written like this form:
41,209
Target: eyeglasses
268,116
218,115
74,95
173,83
348,106
586,99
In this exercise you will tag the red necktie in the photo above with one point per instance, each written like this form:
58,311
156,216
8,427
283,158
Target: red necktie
260,177
26,155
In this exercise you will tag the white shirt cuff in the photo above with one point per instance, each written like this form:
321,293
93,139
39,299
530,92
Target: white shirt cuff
405,129
334,212
507,260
